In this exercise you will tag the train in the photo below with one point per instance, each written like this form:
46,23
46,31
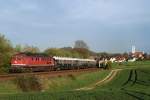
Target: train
23,62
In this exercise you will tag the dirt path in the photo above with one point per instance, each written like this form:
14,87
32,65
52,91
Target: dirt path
108,78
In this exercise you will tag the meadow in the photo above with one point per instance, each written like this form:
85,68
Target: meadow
132,83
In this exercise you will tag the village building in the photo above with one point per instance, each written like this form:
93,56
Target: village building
137,54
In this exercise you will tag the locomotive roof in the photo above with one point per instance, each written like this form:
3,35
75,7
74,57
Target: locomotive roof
33,54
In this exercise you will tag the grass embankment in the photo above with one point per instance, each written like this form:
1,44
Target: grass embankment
8,87
60,83
72,82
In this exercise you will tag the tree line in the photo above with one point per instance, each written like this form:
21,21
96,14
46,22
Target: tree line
80,50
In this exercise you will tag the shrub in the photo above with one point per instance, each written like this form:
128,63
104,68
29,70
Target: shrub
72,77
108,65
28,83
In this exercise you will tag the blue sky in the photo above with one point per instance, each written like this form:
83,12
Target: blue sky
106,25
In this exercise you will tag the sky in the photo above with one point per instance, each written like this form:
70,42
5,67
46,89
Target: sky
105,25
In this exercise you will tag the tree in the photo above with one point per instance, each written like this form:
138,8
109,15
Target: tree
126,55
31,49
64,52
80,44
83,53
146,56
54,52
108,65
67,48
6,51
18,48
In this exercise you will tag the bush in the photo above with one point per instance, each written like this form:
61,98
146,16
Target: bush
28,83
6,51
72,77
108,65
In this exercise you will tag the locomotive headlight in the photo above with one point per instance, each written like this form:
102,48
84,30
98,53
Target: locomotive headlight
15,62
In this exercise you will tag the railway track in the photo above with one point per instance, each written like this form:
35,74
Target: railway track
48,74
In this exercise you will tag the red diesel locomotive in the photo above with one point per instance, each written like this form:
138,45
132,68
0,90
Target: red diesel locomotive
34,62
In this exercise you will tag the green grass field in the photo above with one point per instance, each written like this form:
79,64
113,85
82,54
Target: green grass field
136,64
8,87
72,82
129,84
60,83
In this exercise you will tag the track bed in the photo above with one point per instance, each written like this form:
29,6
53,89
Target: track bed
49,74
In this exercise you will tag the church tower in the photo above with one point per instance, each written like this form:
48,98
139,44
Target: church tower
133,49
